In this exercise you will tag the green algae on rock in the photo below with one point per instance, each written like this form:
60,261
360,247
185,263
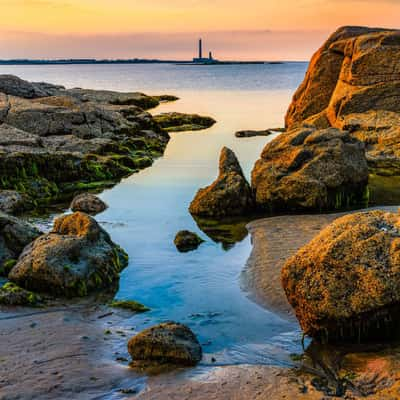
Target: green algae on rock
54,142
187,241
13,295
166,343
130,305
178,122
75,258
345,284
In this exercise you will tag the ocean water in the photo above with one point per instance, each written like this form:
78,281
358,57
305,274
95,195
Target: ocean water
200,288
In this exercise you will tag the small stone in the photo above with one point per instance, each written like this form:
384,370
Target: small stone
88,203
187,241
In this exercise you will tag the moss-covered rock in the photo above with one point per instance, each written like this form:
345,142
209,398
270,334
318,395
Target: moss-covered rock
177,122
130,305
75,258
13,295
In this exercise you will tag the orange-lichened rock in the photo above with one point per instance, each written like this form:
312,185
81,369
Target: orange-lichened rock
345,284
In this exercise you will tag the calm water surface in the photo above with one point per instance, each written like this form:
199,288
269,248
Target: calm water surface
200,288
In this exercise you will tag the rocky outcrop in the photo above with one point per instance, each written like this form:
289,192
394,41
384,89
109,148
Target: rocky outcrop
309,169
15,234
76,257
353,83
88,203
186,241
229,195
178,122
54,143
12,85
345,284
167,343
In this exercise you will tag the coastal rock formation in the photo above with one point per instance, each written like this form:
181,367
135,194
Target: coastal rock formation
88,203
76,257
187,241
177,122
56,142
353,83
310,169
15,234
229,195
14,86
167,343
345,284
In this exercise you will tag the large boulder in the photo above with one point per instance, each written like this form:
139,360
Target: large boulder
76,257
229,195
167,343
353,83
15,234
345,284
88,203
309,169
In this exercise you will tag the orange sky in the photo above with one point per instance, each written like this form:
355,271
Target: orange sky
263,29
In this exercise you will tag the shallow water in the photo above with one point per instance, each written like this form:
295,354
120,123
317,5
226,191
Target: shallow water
200,288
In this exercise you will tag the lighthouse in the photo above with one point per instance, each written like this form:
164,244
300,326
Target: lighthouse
204,60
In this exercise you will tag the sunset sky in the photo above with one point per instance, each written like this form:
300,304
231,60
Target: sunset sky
233,29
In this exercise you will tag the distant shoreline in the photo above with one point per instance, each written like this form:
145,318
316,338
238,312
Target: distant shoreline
131,61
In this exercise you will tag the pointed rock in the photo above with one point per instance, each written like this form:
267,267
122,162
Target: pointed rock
229,195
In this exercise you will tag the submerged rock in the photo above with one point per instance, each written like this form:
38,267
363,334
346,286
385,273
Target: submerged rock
229,195
167,343
177,122
309,169
15,234
187,241
130,305
76,257
345,284
13,295
88,203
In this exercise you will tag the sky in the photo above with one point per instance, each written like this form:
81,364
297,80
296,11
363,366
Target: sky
169,29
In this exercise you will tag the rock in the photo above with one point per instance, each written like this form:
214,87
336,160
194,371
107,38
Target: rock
12,85
74,140
12,295
130,305
166,98
345,284
15,234
353,83
229,195
76,257
245,134
12,201
177,122
167,343
187,241
88,203
309,169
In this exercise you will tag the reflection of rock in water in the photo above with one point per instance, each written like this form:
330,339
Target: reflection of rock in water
384,190
361,370
228,232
